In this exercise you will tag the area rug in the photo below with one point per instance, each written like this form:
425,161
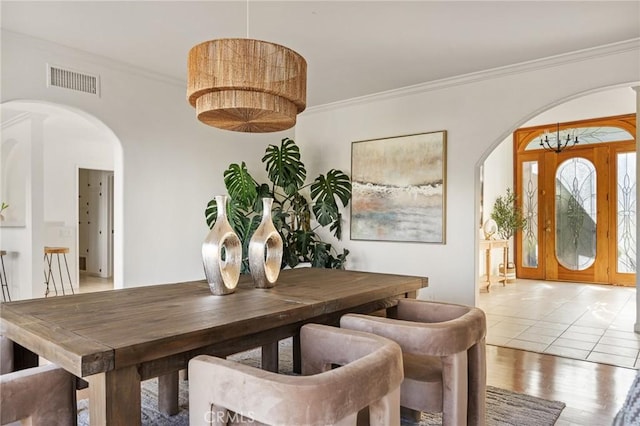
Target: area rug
504,408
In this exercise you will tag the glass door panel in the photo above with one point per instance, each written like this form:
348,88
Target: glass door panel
530,243
626,212
576,214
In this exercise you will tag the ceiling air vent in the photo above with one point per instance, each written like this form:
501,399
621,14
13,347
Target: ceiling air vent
74,80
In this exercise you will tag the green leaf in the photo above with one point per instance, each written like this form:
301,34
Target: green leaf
241,186
336,227
244,227
335,184
507,215
301,213
326,213
284,167
234,212
321,255
289,256
324,192
279,218
211,213
237,216
304,242
339,261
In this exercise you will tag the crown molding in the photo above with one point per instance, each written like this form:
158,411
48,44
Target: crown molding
91,58
490,74
19,118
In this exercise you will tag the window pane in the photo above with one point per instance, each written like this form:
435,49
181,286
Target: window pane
626,196
576,214
530,211
586,136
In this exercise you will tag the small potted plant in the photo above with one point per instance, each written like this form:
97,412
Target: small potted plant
509,219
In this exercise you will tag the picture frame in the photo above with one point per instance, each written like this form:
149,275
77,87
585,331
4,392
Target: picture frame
399,188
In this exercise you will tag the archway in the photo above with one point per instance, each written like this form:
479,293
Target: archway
536,316
497,167
55,142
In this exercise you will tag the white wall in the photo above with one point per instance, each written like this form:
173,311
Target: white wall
498,176
171,164
618,101
16,235
478,112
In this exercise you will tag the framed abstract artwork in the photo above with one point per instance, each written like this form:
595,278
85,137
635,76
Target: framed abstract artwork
399,188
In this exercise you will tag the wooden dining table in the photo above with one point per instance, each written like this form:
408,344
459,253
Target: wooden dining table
116,339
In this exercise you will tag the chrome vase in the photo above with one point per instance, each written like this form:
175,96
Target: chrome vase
222,253
265,250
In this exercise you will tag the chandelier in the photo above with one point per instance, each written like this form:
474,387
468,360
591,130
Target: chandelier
558,145
246,85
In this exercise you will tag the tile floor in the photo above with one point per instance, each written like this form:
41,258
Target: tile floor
90,283
581,321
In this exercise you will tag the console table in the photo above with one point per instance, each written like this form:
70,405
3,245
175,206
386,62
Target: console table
487,279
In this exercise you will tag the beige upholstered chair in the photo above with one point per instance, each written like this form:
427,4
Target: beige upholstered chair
444,360
44,395
370,375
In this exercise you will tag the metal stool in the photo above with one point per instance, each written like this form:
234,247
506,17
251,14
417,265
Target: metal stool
48,273
3,278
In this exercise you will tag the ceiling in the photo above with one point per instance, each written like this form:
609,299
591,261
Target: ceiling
352,48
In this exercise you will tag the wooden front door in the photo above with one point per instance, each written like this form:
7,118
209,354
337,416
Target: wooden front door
579,203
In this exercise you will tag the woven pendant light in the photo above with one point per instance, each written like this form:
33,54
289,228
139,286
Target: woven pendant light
246,85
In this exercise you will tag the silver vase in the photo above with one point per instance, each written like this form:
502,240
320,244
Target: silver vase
265,250
222,253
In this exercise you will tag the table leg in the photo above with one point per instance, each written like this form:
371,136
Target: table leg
505,259
168,393
391,312
23,358
114,397
488,266
297,354
270,357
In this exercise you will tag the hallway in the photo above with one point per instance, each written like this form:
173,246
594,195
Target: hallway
90,283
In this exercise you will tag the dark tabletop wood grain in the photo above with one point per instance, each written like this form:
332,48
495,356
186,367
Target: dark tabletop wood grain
95,332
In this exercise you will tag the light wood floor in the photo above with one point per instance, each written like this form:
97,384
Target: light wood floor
593,392
589,322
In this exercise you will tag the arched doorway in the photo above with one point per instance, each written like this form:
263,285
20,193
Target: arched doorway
498,169
56,141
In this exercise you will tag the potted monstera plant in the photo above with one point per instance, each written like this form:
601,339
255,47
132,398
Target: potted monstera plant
295,204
